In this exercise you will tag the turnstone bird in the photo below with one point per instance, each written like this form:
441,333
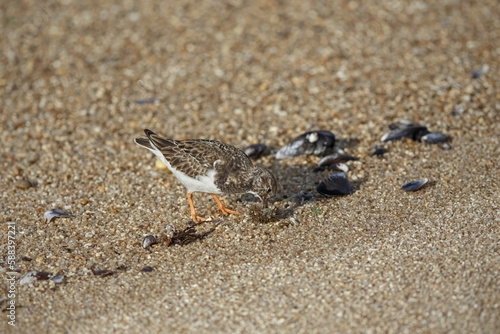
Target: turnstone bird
212,167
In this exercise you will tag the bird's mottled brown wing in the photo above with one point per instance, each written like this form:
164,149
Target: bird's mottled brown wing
232,166
198,156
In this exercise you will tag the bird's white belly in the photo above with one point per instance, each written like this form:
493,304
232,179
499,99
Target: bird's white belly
202,183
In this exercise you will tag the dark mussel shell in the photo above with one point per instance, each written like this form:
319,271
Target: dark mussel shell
335,185
256,151
313,142
405,129
435,138
414,185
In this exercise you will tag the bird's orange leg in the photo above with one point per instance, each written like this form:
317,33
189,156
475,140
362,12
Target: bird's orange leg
197,219
223,208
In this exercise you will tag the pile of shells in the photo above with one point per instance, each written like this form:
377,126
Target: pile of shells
407,129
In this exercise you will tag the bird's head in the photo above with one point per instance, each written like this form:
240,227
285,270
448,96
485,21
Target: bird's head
264,184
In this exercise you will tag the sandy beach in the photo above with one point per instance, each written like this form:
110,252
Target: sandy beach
81,79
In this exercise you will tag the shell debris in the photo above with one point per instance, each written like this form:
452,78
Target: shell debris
335,185
313,143
256,151
56,213
414,185
149,241
416,132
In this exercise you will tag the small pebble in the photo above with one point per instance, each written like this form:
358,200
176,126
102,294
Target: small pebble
476,74
103,272
160,165
457,111
379,152
147,269
151,100
32,157
23,184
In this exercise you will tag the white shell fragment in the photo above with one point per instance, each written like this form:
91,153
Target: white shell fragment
313,142
335,185
57,279
414,185
56,213
33,276
335,162
169,234
256,151
148,241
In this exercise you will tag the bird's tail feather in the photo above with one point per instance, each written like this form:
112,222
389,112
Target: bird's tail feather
144,142
157,141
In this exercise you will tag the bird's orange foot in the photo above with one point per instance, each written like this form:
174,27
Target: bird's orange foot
194,216
225,211
198,219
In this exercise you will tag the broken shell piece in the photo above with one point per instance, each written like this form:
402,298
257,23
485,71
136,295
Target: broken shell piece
379,152
34,276
57,279
339,167
148,241
335,185
56,213
147,269
256,151
480,72
169,234
458,110
414,185
435,138
335,158
405,129
314,143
